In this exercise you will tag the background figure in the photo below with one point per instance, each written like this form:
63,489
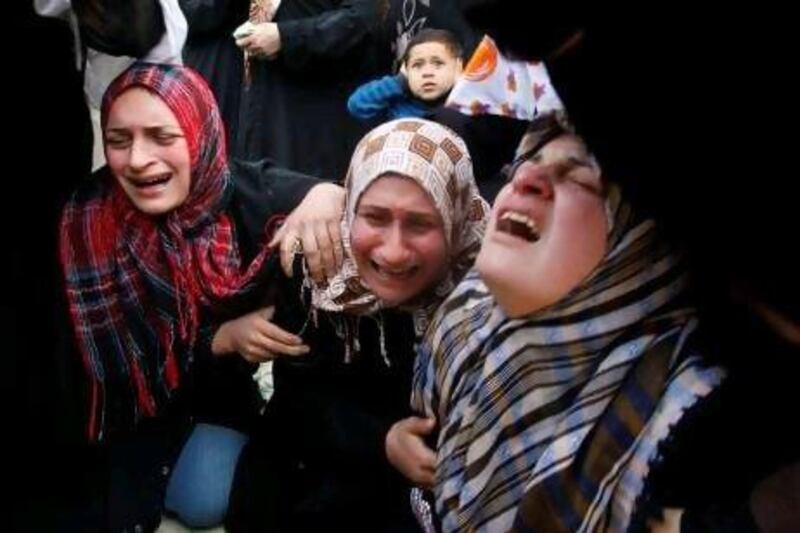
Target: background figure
52,142
405,18
429,70
211,50
304,65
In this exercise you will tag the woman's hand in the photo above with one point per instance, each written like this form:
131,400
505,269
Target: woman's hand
264,40
314,224
408,453
255,338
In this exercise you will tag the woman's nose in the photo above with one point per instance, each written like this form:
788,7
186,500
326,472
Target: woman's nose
140,155
394,250
531,178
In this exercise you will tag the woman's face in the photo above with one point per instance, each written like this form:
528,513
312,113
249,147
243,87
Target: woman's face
547,230
398,240
147,152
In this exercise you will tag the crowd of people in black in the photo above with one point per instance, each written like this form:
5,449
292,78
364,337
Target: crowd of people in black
401,265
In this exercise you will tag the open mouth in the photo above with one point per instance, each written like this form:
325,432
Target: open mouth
400,274
152,181
518,225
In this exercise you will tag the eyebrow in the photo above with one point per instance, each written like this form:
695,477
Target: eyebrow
543,139
424,217
574,160
416,214
431,58
148,129
578,161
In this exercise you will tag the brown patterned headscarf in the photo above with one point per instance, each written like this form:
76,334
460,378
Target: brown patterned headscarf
438,161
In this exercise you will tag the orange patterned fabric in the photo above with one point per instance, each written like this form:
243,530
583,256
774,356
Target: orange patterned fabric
492,84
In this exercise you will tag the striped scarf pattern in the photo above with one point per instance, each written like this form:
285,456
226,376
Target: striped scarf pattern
548,422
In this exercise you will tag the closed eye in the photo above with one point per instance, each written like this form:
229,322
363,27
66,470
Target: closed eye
117,141
374,218
166,138
420,225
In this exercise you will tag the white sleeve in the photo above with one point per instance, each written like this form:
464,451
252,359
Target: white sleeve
170,48
53,8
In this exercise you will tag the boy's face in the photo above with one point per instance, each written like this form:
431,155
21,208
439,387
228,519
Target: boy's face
431,70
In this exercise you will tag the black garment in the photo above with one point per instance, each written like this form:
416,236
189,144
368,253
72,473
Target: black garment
447,15
317,461
295,109
742,434
680,106
120,482
119,27
211,50
405,18
50,149
491,141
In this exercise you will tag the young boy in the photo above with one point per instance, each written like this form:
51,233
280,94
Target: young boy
431,64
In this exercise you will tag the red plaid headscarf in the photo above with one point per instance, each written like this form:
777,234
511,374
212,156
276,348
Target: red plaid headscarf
137,284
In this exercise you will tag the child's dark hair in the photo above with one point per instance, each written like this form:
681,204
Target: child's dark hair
431,35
